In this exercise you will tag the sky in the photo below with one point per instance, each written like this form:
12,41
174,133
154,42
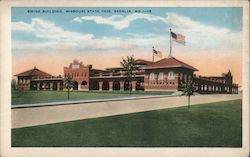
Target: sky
51,38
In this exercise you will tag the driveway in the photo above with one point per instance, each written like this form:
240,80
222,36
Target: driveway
32,116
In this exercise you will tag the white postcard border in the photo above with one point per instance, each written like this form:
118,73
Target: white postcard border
6,72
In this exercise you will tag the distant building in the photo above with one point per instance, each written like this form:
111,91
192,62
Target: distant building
36,79
80,74
167,74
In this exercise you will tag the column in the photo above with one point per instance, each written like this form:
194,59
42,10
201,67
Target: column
51,86
44,86
100,85
110,85
133,85
121,85
38,86
58,86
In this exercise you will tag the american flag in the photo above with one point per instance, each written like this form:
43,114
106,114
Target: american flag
157,53
178,38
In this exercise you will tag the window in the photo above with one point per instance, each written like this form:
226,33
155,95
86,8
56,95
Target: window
171,75
185,77
161,76
151,76
181,76
75,66
84,83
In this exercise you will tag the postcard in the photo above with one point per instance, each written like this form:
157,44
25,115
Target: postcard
123,78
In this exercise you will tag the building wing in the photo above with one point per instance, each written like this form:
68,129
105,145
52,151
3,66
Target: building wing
34,72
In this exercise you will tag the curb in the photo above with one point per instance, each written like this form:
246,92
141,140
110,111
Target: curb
87,101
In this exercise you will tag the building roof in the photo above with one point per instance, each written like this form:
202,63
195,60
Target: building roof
34,72
114,68
142,61
170,62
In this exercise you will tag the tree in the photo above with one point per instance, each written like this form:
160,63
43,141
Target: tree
68,83
128,65
188,90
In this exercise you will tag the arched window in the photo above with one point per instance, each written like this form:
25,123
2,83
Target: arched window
84,83
161,76
151,76
185,77
171,75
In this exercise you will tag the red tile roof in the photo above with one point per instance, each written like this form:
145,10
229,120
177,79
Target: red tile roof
142,61
34,72
170,62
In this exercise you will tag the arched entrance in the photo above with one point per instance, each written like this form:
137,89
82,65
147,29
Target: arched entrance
105,85
95,85
126,85
47,86
116,85
75,85
41,86
54,86
33,86
139,84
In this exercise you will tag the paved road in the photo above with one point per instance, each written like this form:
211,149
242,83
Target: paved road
23,117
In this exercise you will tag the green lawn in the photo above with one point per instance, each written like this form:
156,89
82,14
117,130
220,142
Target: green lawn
30,97
210,125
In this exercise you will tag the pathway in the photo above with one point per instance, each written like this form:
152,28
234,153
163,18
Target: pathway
31,116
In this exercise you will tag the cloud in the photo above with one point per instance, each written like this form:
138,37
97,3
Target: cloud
21,26
199,36
49,30
58,39
204,36
120,22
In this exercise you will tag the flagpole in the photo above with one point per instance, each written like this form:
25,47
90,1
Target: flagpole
153,53
170,43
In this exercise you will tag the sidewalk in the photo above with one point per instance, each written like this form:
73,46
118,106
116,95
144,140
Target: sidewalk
31,116
88,101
